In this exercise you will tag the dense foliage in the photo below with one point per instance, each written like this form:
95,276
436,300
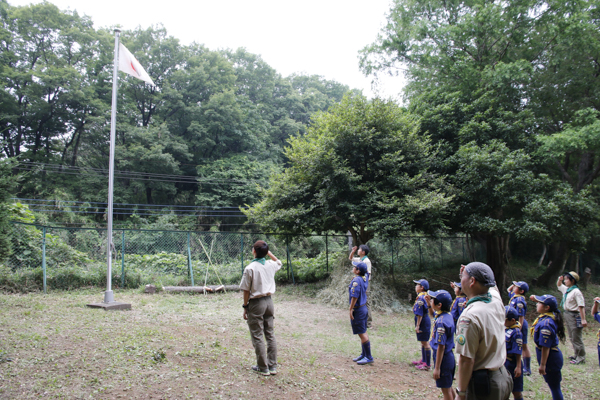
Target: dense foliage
209,133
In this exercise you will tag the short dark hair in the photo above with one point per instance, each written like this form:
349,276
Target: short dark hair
364,248
445,308
261,248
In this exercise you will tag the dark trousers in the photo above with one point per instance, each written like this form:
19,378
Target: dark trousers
261,316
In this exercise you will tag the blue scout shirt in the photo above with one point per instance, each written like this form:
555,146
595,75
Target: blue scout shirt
514,339
519,302
544,334
358,289
420,307
458,305
442,332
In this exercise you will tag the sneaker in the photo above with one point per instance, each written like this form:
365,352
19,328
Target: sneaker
364,361
526,372
419,362
576,361
358,358
260,371
273,370
423,367
572,358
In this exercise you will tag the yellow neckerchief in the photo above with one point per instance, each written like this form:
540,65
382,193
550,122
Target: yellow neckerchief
436,314
422,294
516,325
532,329
517,295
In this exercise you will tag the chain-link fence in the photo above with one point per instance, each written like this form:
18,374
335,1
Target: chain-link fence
63,258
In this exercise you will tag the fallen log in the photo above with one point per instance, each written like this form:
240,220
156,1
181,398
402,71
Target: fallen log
201,289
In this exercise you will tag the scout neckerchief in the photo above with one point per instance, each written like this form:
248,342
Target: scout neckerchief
436,314
486,298
547,314
260,260
363,258
422,294
516,325
564,299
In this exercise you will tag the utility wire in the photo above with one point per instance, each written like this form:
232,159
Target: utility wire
142,176
121,204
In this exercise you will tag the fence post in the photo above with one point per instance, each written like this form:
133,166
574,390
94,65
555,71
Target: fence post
191,270
242,251
44,258
392,249
327,252
123,259
289,259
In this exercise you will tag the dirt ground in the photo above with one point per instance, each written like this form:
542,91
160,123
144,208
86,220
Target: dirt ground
196,346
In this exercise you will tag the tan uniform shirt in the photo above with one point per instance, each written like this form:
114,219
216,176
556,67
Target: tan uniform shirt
259,279
480,333
574,299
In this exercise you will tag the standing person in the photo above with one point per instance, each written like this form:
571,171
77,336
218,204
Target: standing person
574,305
258,284
546,331
442,341
363,256
596,316
516,293
514,350
422,324
480,339
357,297
459,303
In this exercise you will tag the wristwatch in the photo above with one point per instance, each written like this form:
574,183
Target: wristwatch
245,305
459,393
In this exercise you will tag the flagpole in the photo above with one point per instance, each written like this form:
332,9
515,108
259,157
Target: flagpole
108,295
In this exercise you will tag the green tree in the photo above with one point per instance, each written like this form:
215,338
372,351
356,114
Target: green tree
362,167
7,185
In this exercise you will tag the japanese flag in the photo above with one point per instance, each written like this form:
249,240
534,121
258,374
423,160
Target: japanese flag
131,66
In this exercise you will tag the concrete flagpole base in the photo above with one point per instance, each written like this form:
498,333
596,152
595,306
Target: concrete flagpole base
110,303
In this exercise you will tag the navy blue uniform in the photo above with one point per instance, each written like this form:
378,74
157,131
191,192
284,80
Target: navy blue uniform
544,335
358,289
458,305
514,348
420,309
443,334
519,302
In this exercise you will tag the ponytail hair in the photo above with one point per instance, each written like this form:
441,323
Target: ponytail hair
560,326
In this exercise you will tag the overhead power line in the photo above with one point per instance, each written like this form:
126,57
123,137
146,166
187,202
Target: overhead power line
29,166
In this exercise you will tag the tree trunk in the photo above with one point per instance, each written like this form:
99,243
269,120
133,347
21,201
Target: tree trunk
496,258
557,266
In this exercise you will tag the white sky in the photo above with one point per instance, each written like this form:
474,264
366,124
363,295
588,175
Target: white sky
319,37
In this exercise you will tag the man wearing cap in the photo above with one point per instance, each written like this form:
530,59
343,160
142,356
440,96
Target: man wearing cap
258,284
574,305
480,340
363,256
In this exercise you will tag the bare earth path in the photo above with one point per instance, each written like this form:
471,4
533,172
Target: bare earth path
184,346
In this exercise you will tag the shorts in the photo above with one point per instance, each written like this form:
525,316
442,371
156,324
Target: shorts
525,330
517,382
447,370
553,364
425,328
359,323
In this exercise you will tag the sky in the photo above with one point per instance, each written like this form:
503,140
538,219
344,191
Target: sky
315,37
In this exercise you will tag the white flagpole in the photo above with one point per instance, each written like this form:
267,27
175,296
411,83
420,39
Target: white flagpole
108,295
